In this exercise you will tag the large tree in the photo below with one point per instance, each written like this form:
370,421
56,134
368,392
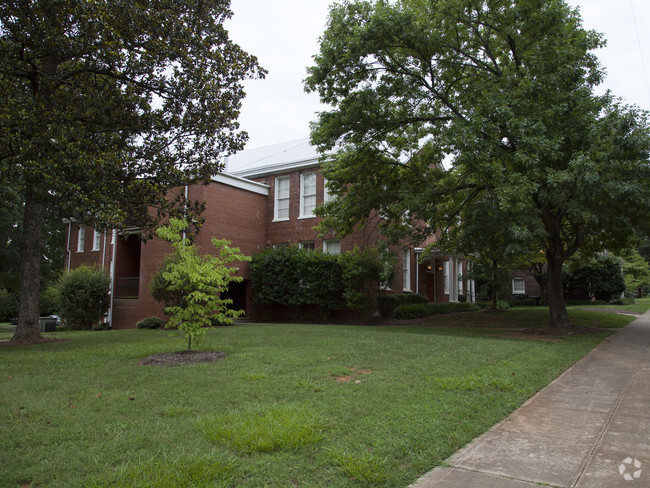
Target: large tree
107,105
500,92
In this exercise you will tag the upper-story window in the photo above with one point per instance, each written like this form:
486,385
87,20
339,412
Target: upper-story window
326,194
282,198
97,236
518,286
307,194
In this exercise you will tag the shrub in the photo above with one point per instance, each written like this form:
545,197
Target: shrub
462,298
529,302
617,301
419,310
411,298
84,297
503,305
516,303
198,280
8,304
151,323
292,277
49,302
363,272
386,304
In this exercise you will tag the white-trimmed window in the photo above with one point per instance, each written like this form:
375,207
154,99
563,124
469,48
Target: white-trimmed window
81,238
518,286
332,246
307,194
97,239
406,269
308,245
279,245
282,188
326,194
445,277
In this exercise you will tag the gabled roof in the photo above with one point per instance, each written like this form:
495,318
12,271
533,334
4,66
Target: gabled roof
275,158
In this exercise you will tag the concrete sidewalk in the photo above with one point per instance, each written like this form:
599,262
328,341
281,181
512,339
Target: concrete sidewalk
590,428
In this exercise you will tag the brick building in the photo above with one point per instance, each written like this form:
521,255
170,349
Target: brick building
265,197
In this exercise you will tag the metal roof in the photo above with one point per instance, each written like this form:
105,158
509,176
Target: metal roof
272,159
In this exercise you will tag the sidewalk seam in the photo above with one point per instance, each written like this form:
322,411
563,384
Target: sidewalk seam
577,477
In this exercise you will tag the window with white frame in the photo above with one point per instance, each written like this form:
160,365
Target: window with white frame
332,246
81,239
406,269
282,187
518,286
307,194
308,245
445,277
97,237
279,245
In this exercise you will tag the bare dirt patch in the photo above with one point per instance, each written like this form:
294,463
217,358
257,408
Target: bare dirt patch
182,357
356,373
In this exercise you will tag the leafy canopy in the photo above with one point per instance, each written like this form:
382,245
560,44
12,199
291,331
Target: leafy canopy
194,282
439,105
106,106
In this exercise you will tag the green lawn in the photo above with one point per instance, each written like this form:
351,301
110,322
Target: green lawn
290,405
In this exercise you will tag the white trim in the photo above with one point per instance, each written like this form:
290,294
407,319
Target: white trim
328,242
276,199
97,240
303,178
406,269
81,238
242,183
521,291
278,168
308,245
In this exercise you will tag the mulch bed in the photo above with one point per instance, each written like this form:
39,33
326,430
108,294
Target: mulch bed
182,357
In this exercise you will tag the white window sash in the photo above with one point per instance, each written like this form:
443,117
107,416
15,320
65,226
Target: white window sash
81,239
282,198
307,194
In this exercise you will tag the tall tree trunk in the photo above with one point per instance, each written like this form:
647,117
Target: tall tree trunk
30,270
556,304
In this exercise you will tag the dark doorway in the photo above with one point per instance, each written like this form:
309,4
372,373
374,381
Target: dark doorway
237,293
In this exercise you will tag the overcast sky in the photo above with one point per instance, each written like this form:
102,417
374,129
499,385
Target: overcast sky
284,34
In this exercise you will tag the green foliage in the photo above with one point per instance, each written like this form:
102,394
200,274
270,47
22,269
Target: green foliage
197,281
151,323
293,277
428,309
50,300
599,276
507,89
190,471
636,271
8,304
102,131
84,297
386,304
363,273
271,428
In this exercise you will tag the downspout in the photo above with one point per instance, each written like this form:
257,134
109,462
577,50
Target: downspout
68,246
112,272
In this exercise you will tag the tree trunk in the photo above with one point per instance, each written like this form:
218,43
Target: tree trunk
30,271
556,303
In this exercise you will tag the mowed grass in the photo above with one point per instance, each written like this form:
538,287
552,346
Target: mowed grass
290,405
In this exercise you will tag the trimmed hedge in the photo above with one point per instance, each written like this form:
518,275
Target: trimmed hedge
386,304
419,310
151,323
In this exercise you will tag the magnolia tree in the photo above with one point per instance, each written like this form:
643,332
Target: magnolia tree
190,284
107,106
440,106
